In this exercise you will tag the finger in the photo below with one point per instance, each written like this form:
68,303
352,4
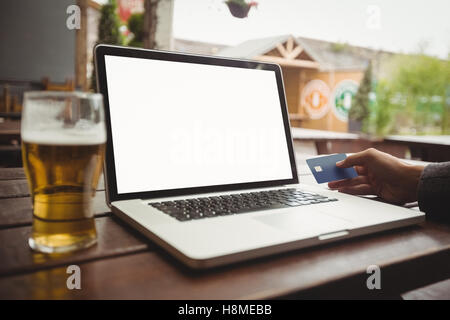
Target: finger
362,189
361,170
348,182
356,159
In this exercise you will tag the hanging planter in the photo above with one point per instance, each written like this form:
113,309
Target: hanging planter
240,8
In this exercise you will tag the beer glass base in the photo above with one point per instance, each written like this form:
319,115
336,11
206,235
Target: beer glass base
36,246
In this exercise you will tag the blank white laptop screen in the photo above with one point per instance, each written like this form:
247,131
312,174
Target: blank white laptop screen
182,125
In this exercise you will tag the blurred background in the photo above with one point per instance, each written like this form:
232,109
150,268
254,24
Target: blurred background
357,73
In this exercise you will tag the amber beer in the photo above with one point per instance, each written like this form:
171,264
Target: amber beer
63,167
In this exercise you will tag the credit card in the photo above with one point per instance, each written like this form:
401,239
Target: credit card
324,168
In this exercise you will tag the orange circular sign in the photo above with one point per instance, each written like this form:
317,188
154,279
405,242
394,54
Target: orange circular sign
315,97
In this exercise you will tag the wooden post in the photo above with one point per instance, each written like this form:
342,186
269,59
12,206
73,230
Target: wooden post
81,48
6,98
150,22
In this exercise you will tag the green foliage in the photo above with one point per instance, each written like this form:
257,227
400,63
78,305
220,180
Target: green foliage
241,3
108,27
423,80
359,110
108,30
414,95
383,111
339,47
136,26
421,75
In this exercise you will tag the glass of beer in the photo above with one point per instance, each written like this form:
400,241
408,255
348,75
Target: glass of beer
63,146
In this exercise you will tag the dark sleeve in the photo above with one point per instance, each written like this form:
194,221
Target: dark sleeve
434,191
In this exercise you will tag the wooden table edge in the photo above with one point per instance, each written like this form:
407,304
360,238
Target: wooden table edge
320,285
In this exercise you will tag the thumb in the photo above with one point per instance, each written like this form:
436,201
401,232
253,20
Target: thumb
341,163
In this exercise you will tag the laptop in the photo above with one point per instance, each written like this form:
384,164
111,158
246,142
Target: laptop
200,160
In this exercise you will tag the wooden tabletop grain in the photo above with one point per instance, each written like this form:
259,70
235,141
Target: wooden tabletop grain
124,265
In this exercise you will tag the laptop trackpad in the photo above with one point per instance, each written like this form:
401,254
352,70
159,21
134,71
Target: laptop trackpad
305,221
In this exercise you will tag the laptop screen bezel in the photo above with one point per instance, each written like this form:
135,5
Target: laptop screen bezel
100,51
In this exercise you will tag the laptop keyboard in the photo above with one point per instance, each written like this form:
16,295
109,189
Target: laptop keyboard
206,207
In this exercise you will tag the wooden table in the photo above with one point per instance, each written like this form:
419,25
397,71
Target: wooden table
426,148
124,265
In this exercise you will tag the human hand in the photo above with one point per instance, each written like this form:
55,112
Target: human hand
380,174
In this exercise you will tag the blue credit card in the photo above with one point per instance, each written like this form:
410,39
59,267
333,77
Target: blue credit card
324,168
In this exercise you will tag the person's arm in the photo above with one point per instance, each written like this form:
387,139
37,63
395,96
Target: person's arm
434,191
398,182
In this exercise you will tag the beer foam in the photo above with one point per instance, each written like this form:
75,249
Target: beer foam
65,137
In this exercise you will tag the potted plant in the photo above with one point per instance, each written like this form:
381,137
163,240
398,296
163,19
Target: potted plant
240,8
